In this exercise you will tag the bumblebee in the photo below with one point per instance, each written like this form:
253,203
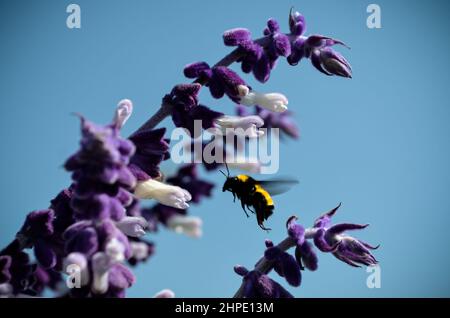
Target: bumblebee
255,196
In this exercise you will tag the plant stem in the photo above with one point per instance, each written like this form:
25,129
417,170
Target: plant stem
165,110
264,266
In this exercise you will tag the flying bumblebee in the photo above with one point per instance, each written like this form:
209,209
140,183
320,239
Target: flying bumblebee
255,196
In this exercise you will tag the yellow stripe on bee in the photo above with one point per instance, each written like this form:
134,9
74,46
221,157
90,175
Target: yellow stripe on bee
242,177
265,194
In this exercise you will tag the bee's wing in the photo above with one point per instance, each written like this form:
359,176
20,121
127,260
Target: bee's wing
277,186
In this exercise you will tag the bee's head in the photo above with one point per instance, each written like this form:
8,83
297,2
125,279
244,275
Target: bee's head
229,184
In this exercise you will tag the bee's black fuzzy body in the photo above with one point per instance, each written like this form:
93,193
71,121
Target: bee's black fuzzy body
252,195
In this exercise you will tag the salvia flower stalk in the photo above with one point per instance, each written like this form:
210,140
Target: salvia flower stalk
325,236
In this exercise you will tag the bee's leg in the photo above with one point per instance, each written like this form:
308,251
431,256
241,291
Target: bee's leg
243,207
263,227
234,197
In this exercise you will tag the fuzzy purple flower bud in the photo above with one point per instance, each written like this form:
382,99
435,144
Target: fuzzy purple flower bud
305,255
258,285
284,264
236,36
196,69
151,150
297,24
187,110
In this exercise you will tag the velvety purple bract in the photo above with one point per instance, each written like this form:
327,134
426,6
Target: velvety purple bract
258,285
236,36
151,149
186,109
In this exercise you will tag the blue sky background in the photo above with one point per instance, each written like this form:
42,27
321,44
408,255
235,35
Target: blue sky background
378,142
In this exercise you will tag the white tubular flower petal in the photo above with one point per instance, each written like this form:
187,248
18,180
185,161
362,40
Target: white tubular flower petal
79,260
101,263
165,293
163,193
132,226
115,250
247,164
243,90
274,102
247,125
123,112
188,225
139,250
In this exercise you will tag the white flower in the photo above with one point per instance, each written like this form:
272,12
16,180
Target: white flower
139,250
163,193
123,112
188,225
79,260
165,293
103,261
248,124
115,250
275,102
132,226
248,164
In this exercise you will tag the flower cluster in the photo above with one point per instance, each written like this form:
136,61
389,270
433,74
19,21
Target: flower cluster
94,225
98,242
326,237
186,109
260,56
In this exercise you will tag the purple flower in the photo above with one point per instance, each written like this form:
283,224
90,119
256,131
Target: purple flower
17,269
260,56
63,212
220,79
236,36
186,109
344,247
304,252
280,44
37,232
46,278
38,224
119,279
81,237
297,24
258,285
330,62
151,150
100,172
284,264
